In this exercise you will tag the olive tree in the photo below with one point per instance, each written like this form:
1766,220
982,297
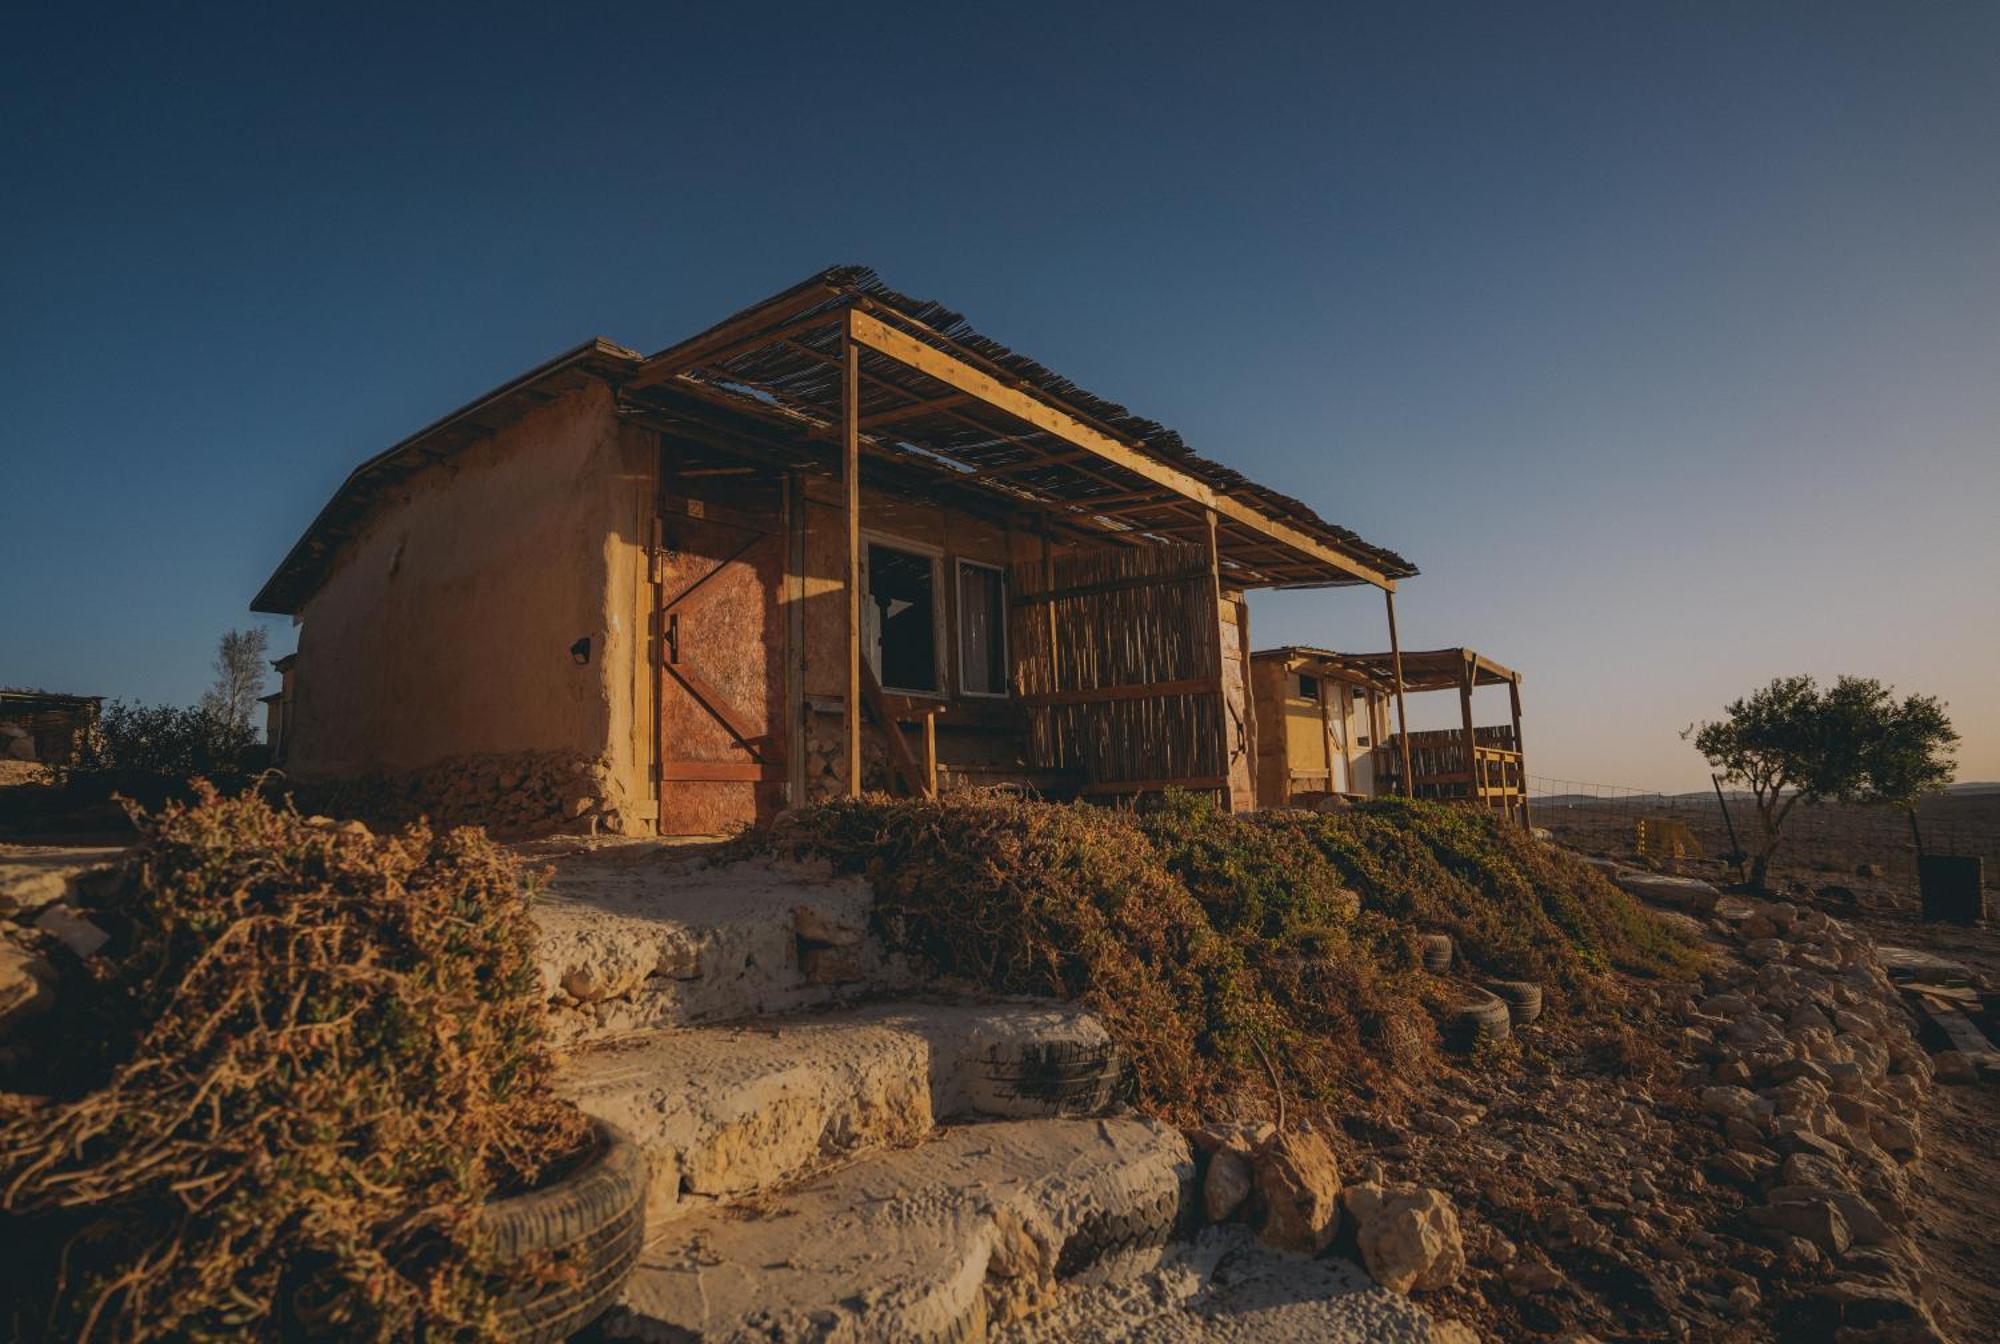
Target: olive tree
1853,742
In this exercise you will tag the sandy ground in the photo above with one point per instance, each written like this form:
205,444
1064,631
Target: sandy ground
1228,1288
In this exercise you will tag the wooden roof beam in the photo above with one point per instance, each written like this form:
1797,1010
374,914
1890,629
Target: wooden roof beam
906,349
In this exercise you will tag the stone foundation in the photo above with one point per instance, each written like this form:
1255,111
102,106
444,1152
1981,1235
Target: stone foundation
514,796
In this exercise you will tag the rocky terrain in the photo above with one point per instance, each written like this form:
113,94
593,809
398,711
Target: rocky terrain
837,1155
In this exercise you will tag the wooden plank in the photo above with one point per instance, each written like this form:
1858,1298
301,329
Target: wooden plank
906,349
1099,694
1466,672
850,472
1520,747
892,732
930,756
1155,785
745,330
711,699
795,632
723,771
1402,718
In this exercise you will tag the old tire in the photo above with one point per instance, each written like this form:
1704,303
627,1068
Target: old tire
1149,1222
591,1222
1476,1022
1522,997
1052,1078
1437,952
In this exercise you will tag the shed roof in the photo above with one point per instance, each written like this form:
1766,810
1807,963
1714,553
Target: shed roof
1423,670
782,359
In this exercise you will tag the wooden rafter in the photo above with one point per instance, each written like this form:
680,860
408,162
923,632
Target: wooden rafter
879,336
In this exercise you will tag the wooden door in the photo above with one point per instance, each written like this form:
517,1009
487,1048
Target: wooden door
722,655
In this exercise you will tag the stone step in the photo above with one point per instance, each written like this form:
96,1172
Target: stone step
632,939
725,1111
926,1243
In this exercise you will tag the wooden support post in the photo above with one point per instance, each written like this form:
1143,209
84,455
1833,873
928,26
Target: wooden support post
850,468
1520,748
1221,686
930,755
1049,605
1465,676
1402,715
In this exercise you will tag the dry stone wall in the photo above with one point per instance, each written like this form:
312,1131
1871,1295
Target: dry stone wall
514,796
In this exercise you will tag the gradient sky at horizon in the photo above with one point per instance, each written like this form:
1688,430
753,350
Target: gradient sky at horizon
1664,339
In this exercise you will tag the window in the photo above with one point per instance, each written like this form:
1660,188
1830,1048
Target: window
982,629
1308,687
901,618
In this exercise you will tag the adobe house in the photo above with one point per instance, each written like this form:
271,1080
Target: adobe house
1325,728
837,541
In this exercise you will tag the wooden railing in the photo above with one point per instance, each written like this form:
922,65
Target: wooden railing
1439,768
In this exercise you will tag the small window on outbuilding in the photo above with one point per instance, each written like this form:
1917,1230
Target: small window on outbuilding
901,618
1308,687
982,629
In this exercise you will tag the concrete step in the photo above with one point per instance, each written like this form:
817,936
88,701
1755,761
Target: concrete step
631,938
725,1111
918,1244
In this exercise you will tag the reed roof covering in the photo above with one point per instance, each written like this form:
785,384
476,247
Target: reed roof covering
1423,669
783,359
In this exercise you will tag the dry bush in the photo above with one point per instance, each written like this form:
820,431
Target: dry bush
1229,954
319,1051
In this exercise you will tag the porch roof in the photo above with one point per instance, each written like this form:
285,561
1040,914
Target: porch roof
1423,670
939,397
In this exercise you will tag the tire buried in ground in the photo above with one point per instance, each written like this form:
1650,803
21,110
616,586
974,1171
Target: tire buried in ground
1437,952
1476,1022
1150,1222
1522,997
1055,1078
591,1223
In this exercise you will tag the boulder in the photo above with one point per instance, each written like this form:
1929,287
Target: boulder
1815,1220
1298,1185
72,930
27,986
1681,893
1226,1184
1408,1235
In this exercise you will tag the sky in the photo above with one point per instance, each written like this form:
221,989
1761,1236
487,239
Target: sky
1664,339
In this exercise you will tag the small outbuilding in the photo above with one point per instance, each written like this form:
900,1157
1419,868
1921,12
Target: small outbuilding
44,726
1326,728
839,540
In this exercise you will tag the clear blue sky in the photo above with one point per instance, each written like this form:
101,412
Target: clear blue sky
1664,338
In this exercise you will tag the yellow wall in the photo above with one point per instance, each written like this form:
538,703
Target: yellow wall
444,628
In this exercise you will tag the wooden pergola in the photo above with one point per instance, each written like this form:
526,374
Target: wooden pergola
843,360
1485,765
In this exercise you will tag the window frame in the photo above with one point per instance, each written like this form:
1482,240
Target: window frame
872,648
959,565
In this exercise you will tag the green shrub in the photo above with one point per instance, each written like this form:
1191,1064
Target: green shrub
155,752
1232,954
321,1050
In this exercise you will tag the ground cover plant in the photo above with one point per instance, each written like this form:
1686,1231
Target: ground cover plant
1273,955
313,1053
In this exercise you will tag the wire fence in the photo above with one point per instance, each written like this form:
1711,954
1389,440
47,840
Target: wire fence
1827,837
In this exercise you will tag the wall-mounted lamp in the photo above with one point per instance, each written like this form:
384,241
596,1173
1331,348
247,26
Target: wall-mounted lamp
579,652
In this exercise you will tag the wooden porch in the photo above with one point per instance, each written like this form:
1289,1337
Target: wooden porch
1127,634
1479,764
